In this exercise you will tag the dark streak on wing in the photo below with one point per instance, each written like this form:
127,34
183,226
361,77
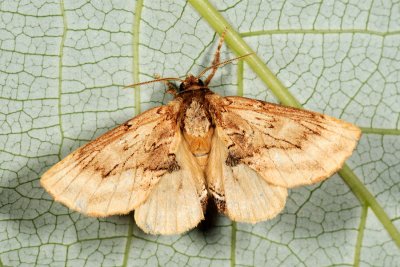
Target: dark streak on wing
232,160
219,199
204,202
285,141
174,166
221,205
106,174
314,132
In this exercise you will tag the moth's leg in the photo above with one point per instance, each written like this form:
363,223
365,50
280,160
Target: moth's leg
171,88
216,59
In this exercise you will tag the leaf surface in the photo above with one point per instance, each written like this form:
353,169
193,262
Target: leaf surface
63,66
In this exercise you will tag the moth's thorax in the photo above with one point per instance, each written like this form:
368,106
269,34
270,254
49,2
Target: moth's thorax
196,120
196,125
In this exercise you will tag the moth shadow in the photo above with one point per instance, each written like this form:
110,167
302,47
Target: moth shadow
207,226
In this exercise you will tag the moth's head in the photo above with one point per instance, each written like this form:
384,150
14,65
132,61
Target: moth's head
191,83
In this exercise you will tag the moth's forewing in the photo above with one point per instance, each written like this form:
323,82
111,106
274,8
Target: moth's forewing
115,173
288,147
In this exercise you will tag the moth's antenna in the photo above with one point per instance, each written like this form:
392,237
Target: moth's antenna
154,81
215,67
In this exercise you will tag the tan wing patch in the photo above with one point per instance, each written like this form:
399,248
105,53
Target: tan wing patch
176,203
115,173
240,192
288,147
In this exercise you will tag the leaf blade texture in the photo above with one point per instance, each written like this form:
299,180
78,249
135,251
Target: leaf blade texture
62,72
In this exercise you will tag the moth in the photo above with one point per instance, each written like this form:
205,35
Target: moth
166,163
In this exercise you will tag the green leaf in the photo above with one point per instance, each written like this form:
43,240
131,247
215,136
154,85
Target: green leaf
63,67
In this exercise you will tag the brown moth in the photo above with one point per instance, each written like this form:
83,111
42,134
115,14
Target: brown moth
165,163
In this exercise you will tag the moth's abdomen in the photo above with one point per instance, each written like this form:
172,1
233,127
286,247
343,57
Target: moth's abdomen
200,146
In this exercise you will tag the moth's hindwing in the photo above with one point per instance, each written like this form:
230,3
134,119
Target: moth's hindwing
176,203
238,191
